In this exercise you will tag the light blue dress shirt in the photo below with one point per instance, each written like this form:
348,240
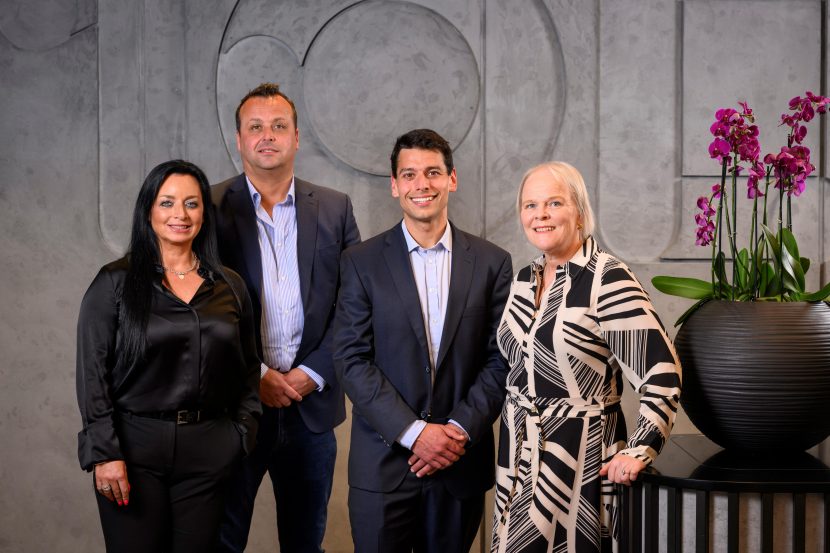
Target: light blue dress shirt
282,305
431,270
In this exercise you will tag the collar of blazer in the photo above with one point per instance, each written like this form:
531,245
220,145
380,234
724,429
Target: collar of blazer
245,221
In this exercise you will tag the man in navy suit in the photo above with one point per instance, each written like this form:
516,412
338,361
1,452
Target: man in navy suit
284,236
415,350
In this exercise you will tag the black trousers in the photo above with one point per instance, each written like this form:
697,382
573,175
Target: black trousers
178,476
420,516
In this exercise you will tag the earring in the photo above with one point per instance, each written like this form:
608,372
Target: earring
579,226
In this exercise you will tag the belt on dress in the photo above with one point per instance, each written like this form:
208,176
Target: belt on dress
536,410
183,416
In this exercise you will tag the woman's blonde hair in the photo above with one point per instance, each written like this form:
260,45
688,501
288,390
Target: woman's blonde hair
570,176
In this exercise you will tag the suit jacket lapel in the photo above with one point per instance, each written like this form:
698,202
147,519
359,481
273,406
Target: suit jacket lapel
306,235
397,260
461,275
245,221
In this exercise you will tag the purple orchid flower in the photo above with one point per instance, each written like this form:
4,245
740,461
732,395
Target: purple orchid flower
719,149
756,172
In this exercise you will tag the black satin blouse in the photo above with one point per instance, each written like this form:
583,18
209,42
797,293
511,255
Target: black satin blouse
200,355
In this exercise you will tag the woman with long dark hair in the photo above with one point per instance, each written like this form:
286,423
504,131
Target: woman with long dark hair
167,373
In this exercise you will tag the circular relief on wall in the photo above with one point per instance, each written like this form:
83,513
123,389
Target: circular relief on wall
380,69
38,24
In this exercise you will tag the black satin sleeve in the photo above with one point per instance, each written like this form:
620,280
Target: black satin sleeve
97,330
249,408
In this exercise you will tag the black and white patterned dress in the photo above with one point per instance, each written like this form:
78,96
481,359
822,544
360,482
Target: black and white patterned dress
562,420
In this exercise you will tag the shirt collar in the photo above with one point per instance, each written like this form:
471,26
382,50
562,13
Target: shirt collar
256,197
411,244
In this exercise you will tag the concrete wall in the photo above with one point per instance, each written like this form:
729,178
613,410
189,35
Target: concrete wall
95,93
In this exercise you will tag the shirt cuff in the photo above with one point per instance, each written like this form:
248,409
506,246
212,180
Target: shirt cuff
319,380
263,368
411,433
464,430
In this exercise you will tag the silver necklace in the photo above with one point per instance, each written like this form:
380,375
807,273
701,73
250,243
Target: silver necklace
181,274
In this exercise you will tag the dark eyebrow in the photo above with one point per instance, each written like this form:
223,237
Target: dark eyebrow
429,168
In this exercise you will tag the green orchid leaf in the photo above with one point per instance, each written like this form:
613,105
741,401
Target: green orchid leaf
742,270
805,264
691,288
772,241
789,276
821,295
768,284
761,266
789,242
688,313
719,265
722,288
790,249
793,269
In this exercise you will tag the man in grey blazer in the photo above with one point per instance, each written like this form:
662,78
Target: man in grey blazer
284,236
415,350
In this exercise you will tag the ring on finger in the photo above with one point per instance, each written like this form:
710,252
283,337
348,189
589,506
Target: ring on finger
105,488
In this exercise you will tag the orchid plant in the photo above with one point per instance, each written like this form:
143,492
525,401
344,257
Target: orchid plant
770,267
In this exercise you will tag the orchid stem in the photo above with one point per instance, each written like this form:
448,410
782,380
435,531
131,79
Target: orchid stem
733,238
781,241
718,226
789,213
753,241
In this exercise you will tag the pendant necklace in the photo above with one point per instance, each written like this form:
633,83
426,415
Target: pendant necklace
181,274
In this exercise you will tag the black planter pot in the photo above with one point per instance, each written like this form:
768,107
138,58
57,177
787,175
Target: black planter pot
756,376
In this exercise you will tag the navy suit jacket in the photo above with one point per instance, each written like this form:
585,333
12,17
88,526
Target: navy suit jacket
325,227
382,358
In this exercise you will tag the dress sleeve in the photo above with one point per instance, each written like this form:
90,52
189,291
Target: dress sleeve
643,352
95,359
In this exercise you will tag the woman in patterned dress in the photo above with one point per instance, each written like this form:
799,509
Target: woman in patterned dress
576,322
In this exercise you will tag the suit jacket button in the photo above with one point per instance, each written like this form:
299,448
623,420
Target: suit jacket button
423,414
426,368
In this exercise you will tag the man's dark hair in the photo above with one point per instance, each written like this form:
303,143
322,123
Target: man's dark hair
265,90
422,139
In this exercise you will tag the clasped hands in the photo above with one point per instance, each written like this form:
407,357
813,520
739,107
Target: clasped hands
278,389
437,447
